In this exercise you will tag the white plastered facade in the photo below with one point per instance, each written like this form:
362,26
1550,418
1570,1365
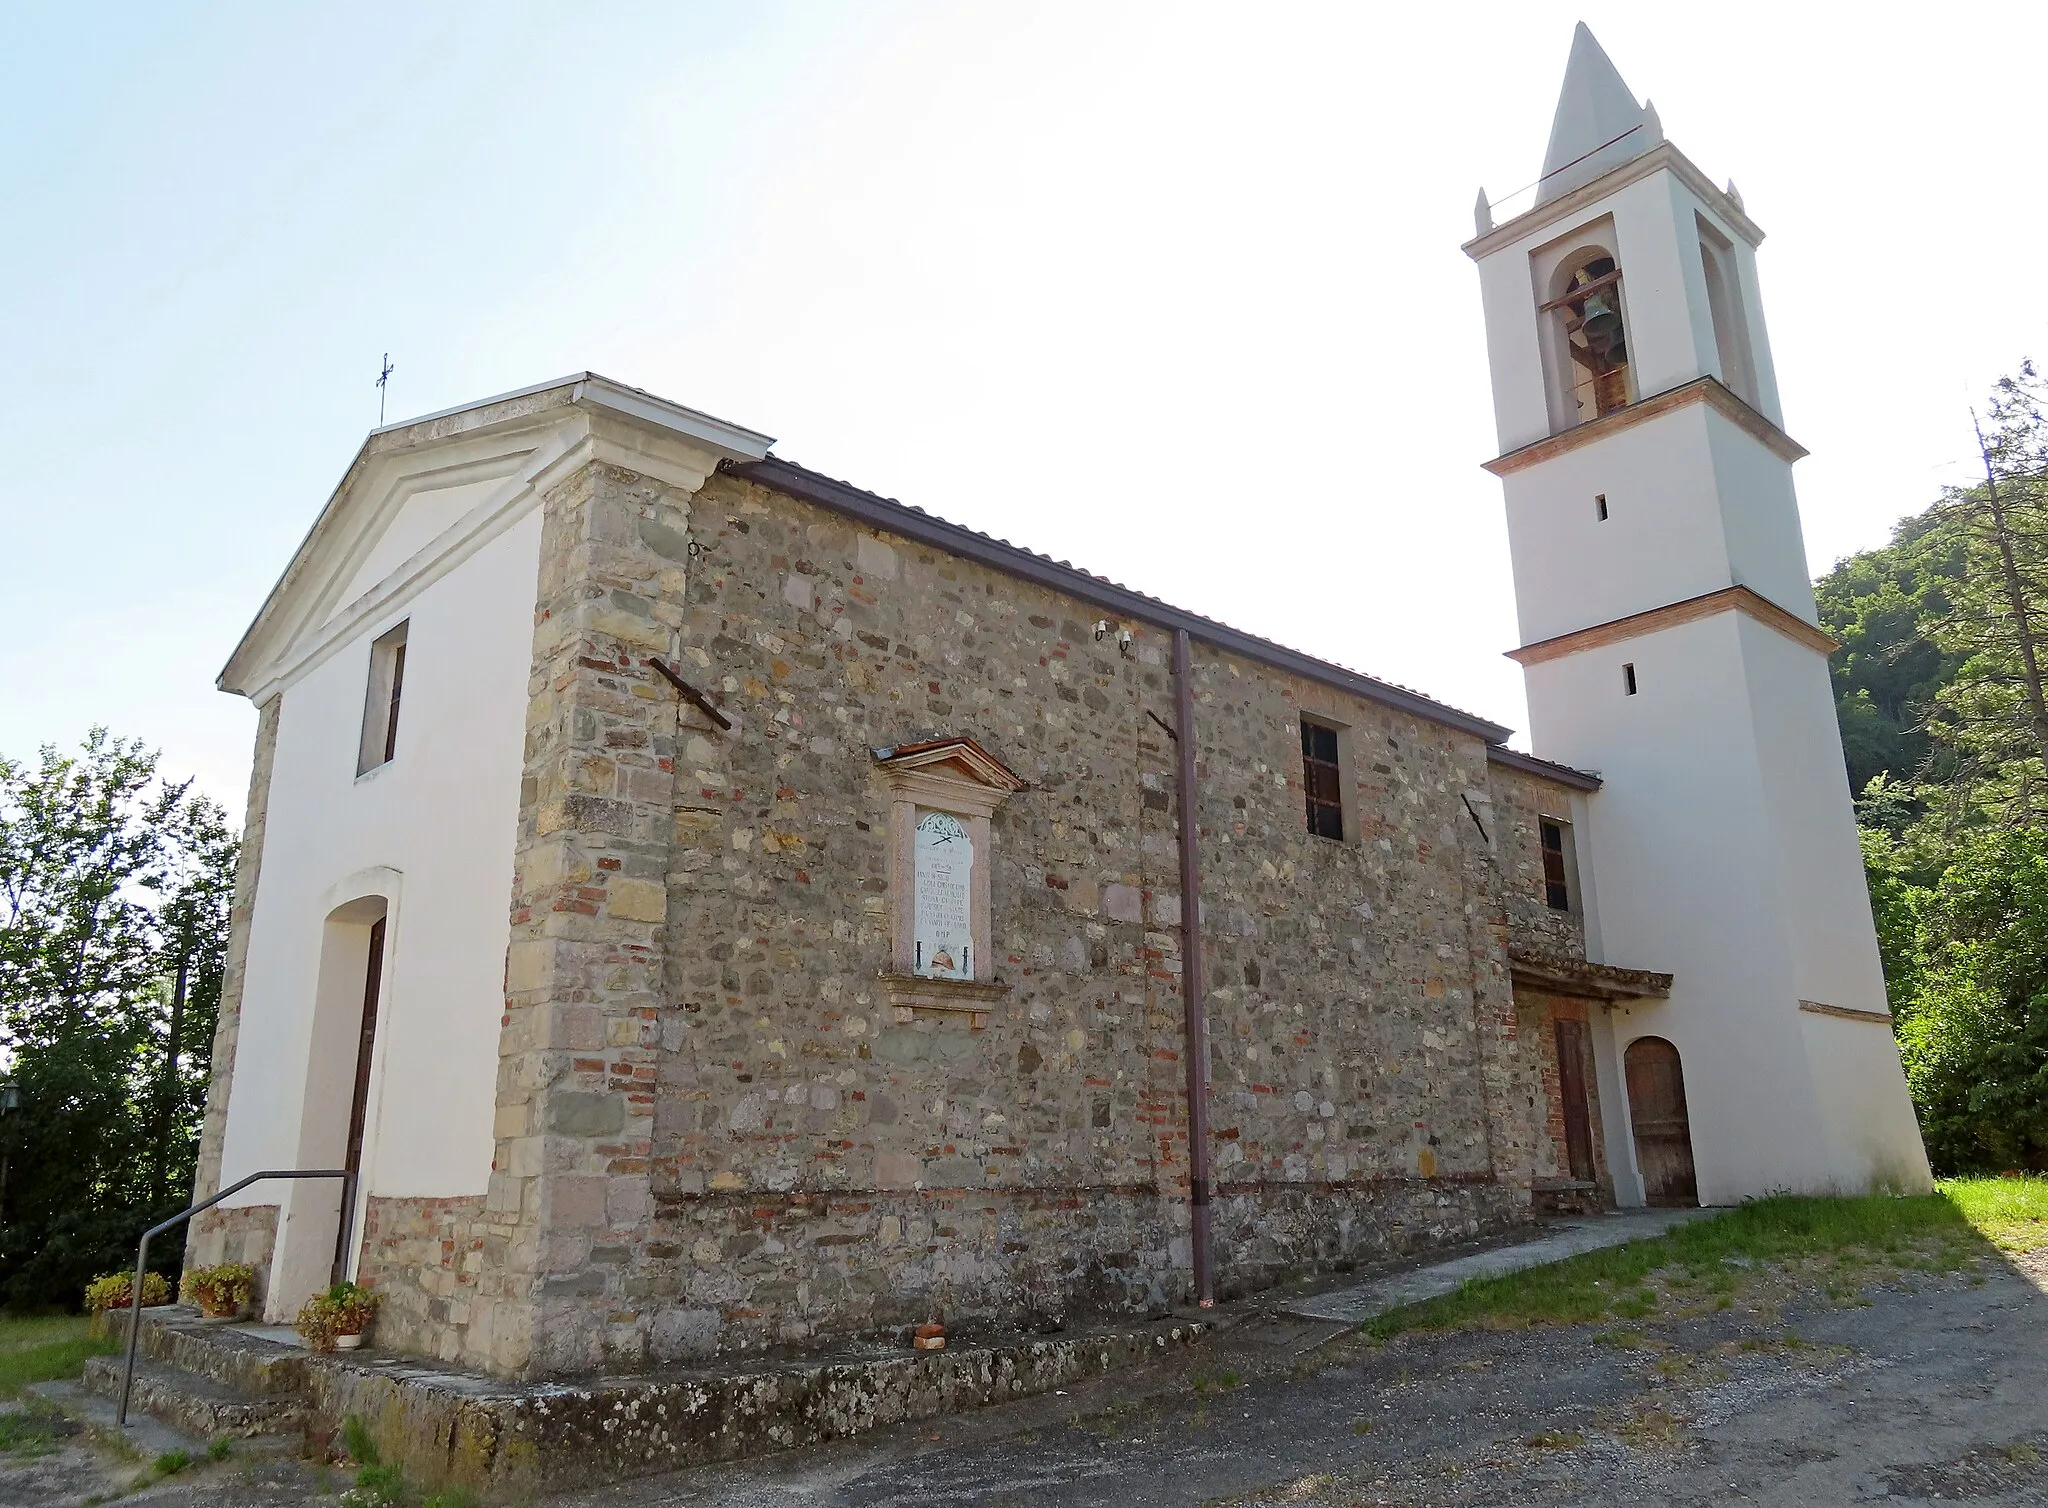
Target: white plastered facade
1722,846
436,526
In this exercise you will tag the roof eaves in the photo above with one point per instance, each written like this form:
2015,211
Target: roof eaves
1547,769
914,523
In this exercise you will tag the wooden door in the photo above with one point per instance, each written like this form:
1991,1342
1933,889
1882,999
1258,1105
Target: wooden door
1571,1089
1656,1106
359,1102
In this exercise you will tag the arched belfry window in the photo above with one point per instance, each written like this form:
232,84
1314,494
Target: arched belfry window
1590,336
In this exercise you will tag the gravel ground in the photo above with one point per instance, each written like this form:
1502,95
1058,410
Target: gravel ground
1914,1388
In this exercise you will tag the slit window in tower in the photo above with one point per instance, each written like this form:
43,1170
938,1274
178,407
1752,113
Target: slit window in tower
1323,780
1595,342
1600,506
1557,890
1628,680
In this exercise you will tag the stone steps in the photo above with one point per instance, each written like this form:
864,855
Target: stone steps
196,1403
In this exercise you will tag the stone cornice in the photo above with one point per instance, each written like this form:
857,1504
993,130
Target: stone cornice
1708,390
1730,599
1662,157
1845,1012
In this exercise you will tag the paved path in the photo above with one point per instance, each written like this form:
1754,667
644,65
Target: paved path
1356,1305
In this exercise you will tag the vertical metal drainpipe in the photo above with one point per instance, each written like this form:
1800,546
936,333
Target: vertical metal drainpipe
1194,975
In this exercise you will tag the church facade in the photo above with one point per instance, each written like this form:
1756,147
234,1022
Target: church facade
706,906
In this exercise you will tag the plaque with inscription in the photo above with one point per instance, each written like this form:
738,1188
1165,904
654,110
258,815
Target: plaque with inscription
943,929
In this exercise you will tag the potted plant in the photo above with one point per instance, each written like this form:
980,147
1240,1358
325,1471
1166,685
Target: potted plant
222,1292
114,1292
335,1320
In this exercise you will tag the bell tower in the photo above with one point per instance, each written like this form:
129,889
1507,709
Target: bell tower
1670,643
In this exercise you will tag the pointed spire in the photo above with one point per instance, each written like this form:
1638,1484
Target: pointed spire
1482,213
1593,109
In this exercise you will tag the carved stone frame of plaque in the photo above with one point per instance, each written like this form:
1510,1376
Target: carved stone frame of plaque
959,777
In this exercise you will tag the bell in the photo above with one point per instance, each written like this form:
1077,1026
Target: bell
1601,323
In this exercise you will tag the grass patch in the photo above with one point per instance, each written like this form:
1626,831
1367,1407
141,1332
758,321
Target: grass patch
45,1348
2008,1212
1705,1260
23,1434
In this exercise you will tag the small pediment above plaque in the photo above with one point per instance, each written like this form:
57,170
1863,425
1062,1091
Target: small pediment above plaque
959,764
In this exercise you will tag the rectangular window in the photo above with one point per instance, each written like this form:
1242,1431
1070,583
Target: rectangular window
1557,889
1628,680
1600,505
381,699
1322,779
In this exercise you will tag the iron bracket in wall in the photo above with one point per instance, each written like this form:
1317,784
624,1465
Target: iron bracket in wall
692,695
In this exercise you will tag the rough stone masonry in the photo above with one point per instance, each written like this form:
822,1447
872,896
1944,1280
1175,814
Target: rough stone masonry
722,1126
716,1131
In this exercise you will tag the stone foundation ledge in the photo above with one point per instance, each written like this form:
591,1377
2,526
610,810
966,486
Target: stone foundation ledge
506,1440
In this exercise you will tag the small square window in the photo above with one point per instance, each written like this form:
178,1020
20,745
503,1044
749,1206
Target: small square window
1557,888
1628,680
381,699
1322,778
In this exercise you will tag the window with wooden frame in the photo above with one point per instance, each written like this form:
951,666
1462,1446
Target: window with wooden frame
1322,778
1557,887
381,700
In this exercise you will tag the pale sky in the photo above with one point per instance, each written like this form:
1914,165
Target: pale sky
1170,291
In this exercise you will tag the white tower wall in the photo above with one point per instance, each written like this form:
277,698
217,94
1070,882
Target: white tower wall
1722,844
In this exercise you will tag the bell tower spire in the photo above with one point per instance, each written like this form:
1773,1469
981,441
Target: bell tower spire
1670,642
1598,124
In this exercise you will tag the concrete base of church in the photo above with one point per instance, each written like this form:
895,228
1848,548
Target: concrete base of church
507,1440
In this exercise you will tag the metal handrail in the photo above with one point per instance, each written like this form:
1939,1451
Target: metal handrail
142,1257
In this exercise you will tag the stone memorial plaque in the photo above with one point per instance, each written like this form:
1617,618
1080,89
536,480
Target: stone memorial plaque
942,933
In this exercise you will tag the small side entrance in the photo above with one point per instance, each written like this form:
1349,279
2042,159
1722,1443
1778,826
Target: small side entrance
1663,1132
1573,1053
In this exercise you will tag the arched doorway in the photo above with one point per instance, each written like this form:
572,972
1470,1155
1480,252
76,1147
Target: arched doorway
1656,1109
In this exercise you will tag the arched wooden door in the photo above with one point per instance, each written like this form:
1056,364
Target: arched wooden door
1656,1108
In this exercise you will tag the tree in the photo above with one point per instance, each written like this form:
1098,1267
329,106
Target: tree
114,889
1973,1030
1993,711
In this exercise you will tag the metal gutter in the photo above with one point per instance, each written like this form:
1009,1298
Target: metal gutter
913,523
1194,973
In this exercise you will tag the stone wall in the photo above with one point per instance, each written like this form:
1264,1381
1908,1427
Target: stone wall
425,1257
211,1230
1520,800
823,1165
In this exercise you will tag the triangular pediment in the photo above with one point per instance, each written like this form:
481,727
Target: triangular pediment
957,758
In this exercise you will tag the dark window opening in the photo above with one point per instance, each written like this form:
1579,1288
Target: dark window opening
1595,342
1557,890
1628,680
380,704
1600,505
1322,780
397,690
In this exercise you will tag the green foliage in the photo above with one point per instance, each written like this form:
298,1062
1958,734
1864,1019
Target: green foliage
171,1462
116,1290
114,894
355,1439
219,1448
220,1291
1942,695
344,1309
1974,1032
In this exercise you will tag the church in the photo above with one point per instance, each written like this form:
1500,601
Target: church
706,906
